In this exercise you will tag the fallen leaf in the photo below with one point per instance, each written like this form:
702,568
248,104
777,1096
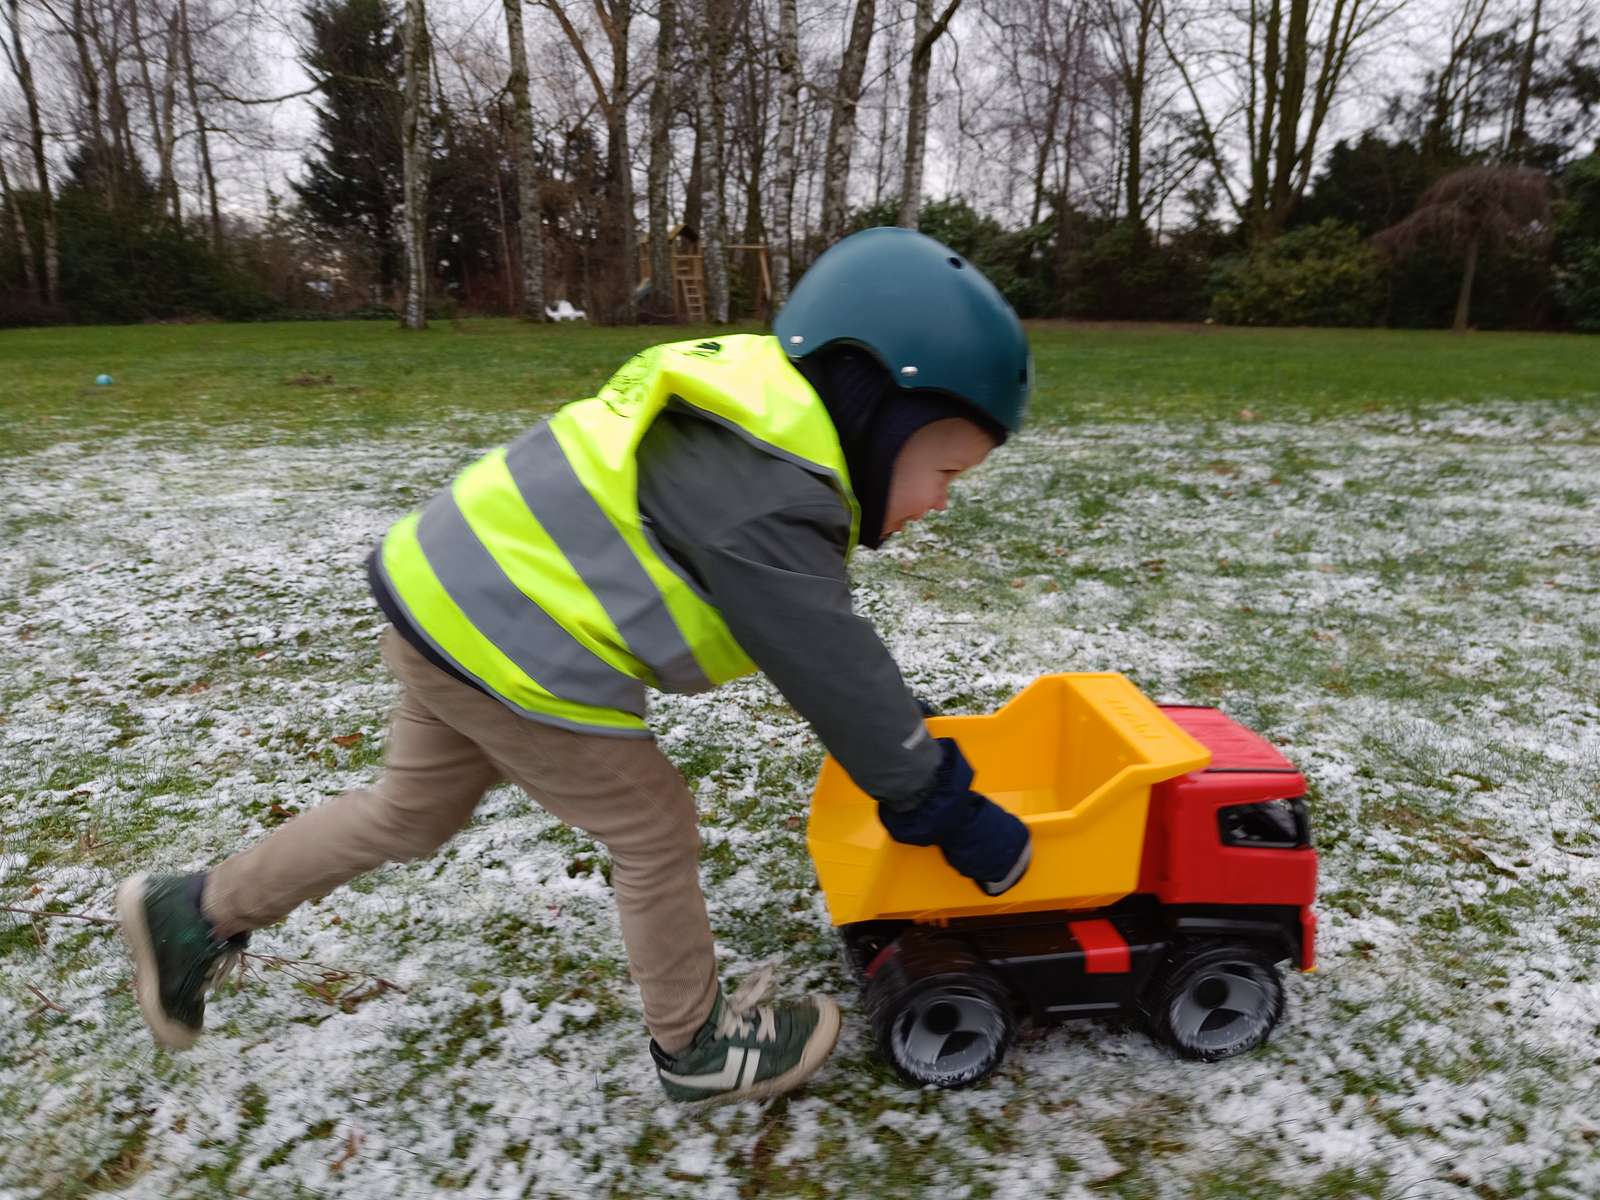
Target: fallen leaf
352,1145
349,739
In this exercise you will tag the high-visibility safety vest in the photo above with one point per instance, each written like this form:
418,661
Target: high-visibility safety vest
535,574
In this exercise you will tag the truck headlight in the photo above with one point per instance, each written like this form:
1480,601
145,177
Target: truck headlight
1269,825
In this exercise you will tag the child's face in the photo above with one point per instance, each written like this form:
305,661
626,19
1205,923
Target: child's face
926,467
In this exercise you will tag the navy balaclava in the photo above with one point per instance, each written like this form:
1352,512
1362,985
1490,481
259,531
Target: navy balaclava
875,418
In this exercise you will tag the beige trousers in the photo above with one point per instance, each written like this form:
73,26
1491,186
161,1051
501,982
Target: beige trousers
448,744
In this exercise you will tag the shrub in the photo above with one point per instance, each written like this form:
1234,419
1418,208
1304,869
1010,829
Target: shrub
129,267
1577,244
1116,273
1324,274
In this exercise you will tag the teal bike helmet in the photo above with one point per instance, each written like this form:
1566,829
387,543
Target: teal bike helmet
927,314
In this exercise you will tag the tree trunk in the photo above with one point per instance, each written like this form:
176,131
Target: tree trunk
30,270
41,164
1291,102
1137,83
926,33
842,123
200,127
508,265
661,285
158,131
169,109
530,218
713,217
788,106
89,81
1047,142
916,114
124,156
620,166
1265,121
1440,138
1518,143
1464,298
879,172
414,162
753,124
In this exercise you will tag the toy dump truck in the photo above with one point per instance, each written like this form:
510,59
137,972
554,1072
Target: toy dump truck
1172,871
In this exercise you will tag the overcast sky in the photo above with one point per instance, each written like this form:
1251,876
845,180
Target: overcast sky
1395,62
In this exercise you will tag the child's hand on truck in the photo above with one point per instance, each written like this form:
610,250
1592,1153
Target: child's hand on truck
976,836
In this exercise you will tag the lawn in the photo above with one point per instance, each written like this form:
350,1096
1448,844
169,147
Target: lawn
1380,549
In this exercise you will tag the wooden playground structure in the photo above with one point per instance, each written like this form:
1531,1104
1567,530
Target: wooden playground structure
689,272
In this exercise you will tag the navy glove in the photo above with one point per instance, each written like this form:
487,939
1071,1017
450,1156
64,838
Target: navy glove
976,836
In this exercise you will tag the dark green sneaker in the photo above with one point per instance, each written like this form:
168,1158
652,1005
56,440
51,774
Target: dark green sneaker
747,1050
176,956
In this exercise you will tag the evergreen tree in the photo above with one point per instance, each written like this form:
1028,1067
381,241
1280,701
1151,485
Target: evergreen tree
353,181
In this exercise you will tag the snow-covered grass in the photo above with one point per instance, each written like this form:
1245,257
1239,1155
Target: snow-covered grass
1401,596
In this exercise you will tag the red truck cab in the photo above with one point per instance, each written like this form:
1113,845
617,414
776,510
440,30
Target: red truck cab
1235,833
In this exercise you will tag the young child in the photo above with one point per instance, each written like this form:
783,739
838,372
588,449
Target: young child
689,524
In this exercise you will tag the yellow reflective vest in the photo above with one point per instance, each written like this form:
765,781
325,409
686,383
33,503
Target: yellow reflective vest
535,574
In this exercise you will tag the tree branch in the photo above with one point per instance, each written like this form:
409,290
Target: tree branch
582,52
62,916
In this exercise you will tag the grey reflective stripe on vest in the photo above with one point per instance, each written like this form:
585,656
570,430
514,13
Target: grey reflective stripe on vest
524,632
569,514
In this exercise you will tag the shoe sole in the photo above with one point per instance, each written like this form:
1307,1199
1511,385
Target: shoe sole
817,1048
146,979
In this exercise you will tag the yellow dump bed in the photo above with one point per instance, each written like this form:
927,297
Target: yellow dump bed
1073,755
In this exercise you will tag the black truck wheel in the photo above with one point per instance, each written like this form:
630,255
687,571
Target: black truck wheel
1215,1000
940,1015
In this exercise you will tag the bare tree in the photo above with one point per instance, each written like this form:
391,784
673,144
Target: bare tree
615,17
1471,207
748,141
926,32
1452,83
842,122
1517,144
23,69
202,131
788,105
1280,75
161,120
661,109
530,216
713,213
415,163
1037,123
1130,27
19,229
103,169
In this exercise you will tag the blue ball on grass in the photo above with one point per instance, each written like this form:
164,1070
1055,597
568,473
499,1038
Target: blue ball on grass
103,380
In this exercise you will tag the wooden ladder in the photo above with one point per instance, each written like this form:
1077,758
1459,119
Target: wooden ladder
690,275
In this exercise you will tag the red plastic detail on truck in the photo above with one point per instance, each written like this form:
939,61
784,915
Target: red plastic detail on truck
1105,951
881,957
1232,746
1308,940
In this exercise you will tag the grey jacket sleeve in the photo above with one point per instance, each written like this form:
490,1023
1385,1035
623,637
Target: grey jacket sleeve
765,539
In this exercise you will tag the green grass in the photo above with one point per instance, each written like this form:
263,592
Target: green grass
349,379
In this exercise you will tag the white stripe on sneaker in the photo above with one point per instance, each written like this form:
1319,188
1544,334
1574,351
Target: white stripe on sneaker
720,1080
752,1060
